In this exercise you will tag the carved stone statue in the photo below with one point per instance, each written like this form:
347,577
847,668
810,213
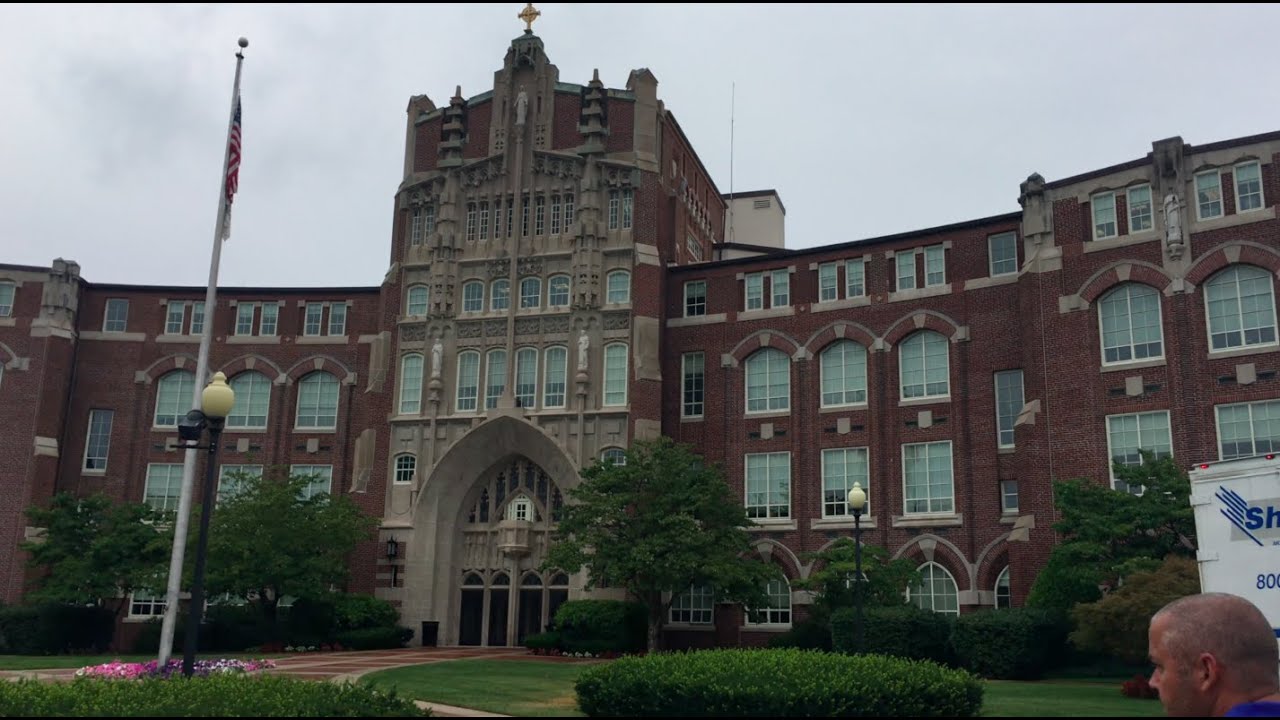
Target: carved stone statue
437,352
1173,225
522,106
583,342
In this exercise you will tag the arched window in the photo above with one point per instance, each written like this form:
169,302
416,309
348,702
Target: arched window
778,611
936,591
1004,598
925,364
253,400
553,385
1241,306
410,384
558,291
1131,329
468,380
768,376
530,292
174,393
615,374
526,378
619,287
499,294
520,508
406,464
614,456
417,305
317,402
473,296
844,374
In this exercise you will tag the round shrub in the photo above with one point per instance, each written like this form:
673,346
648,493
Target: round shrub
773,682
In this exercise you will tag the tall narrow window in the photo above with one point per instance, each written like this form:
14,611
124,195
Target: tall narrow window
936,590
472,221
1008,496
1242,308
613,209
1208,195
317,402
626,208
417,300
554,384
98,445
935,266
568,212
925,365
1248,187
429,219
854,280
197,318
270,313
540,215
695,298
338,319
844,374
484,220
411,384
768,375
1104,215
244,318
1131,327
406,464
755,291
827,282
530,293
253,400
905,260
555,214
495,378
558,291
473,296
780,284
415,227
177,311
1002,252
927,478
694,381
174,394
117,317
315,313
841,468
526,378
1004,598
468,380
768,492
499,294
1008,404
1139,208
615,374
619,287
6,298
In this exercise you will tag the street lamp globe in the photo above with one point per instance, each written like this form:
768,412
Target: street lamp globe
218,397
857,498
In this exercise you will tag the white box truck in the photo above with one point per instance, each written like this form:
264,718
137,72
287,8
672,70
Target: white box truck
1237,515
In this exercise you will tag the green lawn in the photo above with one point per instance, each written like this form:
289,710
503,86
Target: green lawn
50,662
534,688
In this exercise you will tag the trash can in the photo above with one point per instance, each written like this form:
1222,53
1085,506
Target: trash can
430,632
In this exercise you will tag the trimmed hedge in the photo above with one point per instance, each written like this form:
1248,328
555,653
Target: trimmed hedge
375,638
807,635
543,641
905,631
214,696
770,683
1009,644
53,629
601,626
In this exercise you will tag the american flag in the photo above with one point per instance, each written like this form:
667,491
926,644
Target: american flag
233,168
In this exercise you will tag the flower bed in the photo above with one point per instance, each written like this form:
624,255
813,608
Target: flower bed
151,669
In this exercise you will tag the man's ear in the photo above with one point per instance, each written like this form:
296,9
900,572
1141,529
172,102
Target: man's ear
1206,673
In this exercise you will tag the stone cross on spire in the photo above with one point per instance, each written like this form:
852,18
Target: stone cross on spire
528,15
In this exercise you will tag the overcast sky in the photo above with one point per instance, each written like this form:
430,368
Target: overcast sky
867,120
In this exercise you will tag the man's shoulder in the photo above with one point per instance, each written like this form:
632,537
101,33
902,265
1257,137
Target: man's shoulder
1261,708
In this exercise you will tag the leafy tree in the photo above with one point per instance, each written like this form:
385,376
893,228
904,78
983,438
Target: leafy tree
661,523
1117,624
268,541
832,586
96,551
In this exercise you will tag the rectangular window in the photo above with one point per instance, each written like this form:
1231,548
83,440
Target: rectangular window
411,384
1104,215
270,313
626,208
555,214
693,372
1248,429
828,282
117,317
1009,401
693,607
472,221
1008,496
315,313
338,318
1248,187
780,283
1127,434
695,298
539,215
429,223
484,220
553,389
568,211
841,468
613,209
197,318
755,291
854,280
321,479
926,469
146,604
1208,195
524,216
615,375
231,480
526,378
468,380
415,227
935,266
98,445
174,318
1139,208
769,485
6,298
495,378
906,264
473,297
244,318
694,246
164,484
1002,251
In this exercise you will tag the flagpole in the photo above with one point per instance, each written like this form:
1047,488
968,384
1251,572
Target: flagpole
202,370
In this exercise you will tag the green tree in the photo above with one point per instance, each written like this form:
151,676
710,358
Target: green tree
832,586
96,551
661,523
1117,624
267,540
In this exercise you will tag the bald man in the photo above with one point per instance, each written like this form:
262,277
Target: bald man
1215,656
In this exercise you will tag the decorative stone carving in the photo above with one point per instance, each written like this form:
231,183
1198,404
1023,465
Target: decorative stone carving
497,268
1173,225
529,266
469,329
555,324
527,326
617,321
413,333
557,167
495,327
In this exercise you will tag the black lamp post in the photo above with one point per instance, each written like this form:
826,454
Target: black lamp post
857,503
216,402
393,551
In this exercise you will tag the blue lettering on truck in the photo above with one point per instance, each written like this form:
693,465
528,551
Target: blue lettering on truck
1245,516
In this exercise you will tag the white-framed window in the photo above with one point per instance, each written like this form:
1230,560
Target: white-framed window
174,394
471,221
468,380
558,291
695,298
693,607
499,294
778,611
418,300
244,318
627,202
253,400
780,285
116,318
539,215
1009,400
555,214
553,384
855,278
406,465
197,318
1009,496
768,485
844,374
1002,253
338,319
927,478
1131,324
905,262
1127,434
1139,202
530,293
146,604
693,386
164,485
495,382
1248,429
925,365
1004,598
410,384
520,508
317,402
175,316
1103,206
1248,182
619,287
614,456
321,480
569,215
270,314
415,227
98,443
1208,195
1240,303
754,287
768,378
473,296
614,207
615,374
231,480
936,590
693,246
484,220
313,322
935,266
828,282
841,468
526,378
7,291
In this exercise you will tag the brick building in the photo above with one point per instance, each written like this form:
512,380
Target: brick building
565,278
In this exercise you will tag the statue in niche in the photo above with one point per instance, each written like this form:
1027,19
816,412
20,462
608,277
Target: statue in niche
583,342
437,352
1173,225
522,106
